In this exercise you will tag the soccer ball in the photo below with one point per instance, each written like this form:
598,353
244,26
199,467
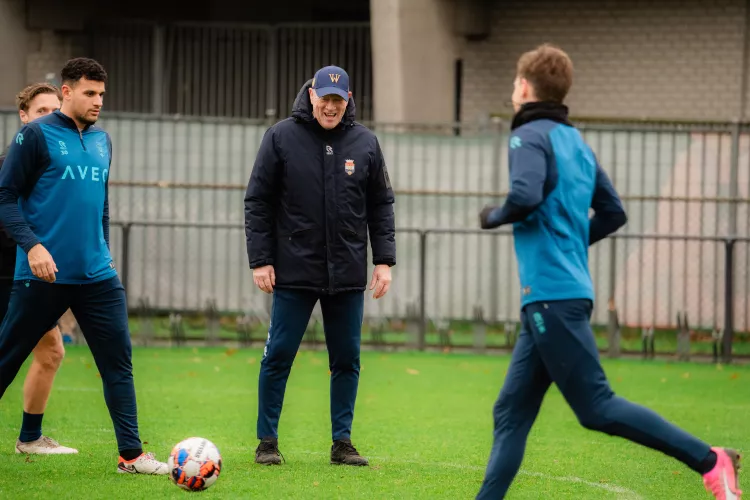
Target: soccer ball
194,464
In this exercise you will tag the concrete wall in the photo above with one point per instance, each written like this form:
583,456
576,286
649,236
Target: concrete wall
414,54
13,49
672,59
676,59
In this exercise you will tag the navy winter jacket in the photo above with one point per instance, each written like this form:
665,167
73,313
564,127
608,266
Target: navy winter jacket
312,197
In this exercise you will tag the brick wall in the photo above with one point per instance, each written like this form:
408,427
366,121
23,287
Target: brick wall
675,59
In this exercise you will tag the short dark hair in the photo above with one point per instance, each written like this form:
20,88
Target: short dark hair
549,70
24,97
82,67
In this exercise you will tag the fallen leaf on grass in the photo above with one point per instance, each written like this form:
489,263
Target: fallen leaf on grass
412,371
231,351
316,483
734,376
686,375
663,380
250,361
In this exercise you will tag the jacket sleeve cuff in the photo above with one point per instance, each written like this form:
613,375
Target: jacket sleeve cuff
387,260
30,244
260,263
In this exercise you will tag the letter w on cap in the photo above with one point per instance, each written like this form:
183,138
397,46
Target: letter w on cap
334,77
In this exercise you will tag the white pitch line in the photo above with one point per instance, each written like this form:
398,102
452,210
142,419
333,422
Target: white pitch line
627,494
611,488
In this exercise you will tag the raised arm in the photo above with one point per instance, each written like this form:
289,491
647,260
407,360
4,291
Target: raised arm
528,174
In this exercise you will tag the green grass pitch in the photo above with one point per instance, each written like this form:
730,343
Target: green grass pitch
424,420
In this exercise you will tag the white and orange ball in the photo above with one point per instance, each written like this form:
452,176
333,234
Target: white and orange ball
194,464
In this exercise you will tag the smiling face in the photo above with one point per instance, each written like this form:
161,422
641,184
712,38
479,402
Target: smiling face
328,110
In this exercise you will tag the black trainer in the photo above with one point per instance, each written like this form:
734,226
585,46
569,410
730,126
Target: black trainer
344,453
267,452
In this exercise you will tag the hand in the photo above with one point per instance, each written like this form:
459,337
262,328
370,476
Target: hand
381,280
484,214
41,263
264,278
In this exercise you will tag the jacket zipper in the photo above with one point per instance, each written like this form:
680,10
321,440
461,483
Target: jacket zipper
325,215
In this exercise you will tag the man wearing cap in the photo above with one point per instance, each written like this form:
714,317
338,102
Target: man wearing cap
319,185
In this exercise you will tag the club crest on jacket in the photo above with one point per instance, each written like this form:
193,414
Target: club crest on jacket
349,166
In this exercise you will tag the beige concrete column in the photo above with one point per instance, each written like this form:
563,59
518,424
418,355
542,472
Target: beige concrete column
414,52
13,50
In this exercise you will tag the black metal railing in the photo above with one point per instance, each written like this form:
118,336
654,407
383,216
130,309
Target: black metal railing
496,296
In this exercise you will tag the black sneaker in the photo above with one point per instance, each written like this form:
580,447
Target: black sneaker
267,452
344,453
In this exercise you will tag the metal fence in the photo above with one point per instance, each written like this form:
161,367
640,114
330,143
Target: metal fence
177,188
209,69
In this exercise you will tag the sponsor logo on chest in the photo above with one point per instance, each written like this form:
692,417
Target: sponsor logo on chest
84,173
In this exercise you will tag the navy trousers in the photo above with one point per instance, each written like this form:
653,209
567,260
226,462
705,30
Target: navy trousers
101,311
342,321
556,344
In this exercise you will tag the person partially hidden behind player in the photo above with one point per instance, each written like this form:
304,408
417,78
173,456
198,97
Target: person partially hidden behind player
554,180
54,204
33,102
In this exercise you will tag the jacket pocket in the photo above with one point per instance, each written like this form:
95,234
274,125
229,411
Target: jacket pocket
301,258
357,235
297,233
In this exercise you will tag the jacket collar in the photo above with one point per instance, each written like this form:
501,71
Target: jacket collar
69,122
540,111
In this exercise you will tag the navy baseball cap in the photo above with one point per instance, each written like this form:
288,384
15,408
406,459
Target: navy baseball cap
331,80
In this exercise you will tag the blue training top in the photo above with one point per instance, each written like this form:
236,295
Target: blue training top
555,179
54,191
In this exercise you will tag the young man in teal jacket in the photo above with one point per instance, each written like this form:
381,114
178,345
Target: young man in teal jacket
555,180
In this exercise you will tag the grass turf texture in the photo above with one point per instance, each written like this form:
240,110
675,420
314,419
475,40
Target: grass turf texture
423,419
